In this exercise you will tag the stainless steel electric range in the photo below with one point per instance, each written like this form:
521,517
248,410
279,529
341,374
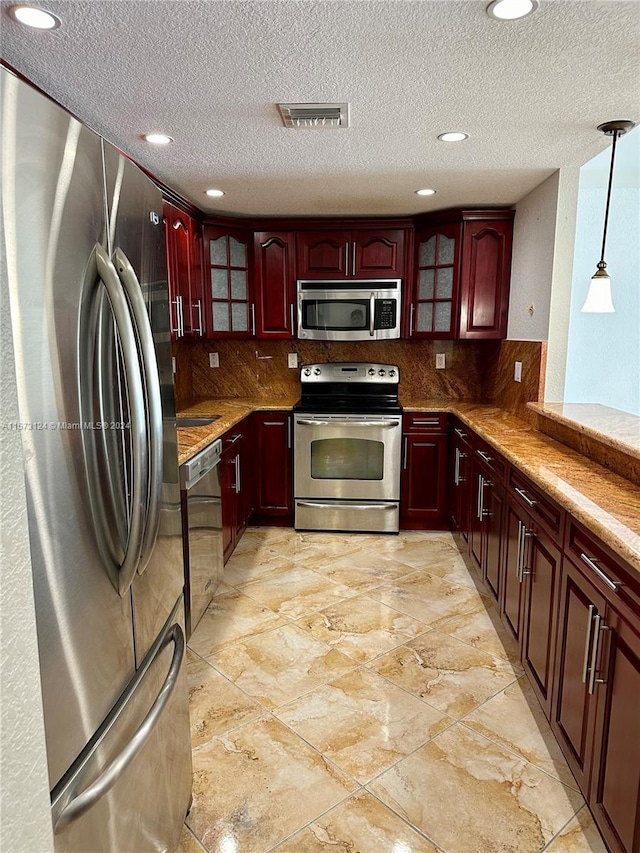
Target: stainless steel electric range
348,440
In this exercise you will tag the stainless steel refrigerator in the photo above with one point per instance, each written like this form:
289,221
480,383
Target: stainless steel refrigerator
82,235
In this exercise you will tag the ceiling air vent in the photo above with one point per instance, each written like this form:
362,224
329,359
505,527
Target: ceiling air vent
314,115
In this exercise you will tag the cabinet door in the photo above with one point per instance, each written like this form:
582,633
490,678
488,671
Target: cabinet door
377,254
274,492
178,242
615,789
245,480
494,508
484,282
275,284
541,579
323,254
227,283
423,483
434,309
512,589
229,503
572,718
197,315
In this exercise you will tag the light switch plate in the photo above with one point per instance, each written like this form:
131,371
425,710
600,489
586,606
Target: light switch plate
441,361
214,359
517,372
292,359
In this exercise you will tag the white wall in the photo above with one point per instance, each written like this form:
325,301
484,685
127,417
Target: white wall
25,821
532,265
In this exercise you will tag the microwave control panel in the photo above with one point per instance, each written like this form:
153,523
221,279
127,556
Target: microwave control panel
385,316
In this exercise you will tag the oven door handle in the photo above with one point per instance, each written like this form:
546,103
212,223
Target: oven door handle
309,422
372,314
316,505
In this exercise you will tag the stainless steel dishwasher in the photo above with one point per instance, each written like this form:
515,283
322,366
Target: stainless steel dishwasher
202,531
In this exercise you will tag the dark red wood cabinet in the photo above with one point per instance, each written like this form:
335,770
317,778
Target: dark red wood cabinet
273,433
358,253
423,493
228,267
237,483
486,512
460,477
275,284
485,278
531,579
183,240
597,685
462,275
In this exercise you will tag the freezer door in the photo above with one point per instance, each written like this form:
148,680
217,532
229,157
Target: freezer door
131,788
137,247
53,217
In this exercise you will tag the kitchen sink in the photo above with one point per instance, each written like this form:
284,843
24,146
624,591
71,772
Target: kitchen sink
192,422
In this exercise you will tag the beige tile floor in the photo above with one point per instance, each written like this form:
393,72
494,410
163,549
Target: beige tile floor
358,694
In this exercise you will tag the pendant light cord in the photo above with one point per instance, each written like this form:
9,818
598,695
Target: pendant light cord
606,212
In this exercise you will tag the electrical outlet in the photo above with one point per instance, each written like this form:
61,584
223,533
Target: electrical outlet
173,364
441,361
517,372
292,359
214,359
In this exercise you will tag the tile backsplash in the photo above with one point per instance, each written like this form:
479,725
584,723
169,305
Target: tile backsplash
475,370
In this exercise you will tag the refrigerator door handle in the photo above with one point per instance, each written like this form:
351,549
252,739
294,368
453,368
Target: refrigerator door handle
68,806
122,575
151,387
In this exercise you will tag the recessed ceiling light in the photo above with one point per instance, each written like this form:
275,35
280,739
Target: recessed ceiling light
32,16
453,136
215,193
425,192
157,138
511,10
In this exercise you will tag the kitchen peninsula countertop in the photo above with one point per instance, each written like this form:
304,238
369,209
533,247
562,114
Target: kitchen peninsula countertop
603,501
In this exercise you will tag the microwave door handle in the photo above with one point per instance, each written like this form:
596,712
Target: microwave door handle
372,314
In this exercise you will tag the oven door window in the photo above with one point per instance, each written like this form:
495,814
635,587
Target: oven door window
338,315
347,459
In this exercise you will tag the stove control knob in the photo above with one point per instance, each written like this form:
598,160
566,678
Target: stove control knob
371,371
382,372
392,373
317,371
307,371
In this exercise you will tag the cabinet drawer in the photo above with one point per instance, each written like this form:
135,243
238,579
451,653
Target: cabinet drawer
232,439
539,506
425,422
461,432
490,458
601,566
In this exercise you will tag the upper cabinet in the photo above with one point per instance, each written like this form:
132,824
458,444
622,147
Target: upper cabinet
227,264
275,284
360,253
183,237
461,287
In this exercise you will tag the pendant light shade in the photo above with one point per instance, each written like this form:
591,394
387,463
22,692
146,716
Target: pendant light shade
598,299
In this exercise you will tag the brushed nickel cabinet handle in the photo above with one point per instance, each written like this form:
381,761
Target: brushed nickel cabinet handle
587,644
525,497
613,585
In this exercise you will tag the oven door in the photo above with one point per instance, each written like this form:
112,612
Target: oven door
352,457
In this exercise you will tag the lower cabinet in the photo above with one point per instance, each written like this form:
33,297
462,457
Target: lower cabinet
236,484
595,713
459,478
273,433
423,482
574,608
486,513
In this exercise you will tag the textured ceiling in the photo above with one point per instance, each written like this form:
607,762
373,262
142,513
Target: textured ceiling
209,73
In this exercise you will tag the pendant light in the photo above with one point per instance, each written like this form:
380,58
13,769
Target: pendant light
598,299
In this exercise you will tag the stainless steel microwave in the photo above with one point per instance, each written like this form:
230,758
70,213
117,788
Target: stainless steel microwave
349,310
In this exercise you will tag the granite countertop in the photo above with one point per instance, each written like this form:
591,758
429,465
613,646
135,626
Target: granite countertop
603,501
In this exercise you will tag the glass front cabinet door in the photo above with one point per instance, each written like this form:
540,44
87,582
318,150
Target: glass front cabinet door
434,308
228,282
